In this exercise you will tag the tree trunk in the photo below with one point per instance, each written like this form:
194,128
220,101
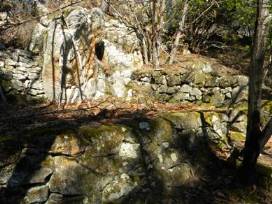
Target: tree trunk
145,51
179,32
254,133
155,34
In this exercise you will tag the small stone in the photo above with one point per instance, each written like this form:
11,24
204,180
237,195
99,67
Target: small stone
173,80
37,194
129,151
145,79
217,98
242,80
207,68
171,90
160,158
165,144
163,89
186,88
144,126
197,93
228,95
181,96
199,78
174,157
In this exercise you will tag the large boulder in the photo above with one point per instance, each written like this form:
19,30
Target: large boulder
82,61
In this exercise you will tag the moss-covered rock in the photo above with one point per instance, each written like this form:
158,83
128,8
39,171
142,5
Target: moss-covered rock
67,144
184,120
104,139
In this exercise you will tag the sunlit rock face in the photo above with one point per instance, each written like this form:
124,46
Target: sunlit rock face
80,64
82,55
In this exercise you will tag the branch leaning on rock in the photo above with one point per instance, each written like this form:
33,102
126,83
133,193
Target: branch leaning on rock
78,57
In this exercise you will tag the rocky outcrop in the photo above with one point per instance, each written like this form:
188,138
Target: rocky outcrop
133,159
82,56
79,63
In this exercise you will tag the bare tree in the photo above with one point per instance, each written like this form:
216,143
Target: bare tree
179,32
257,136
146,19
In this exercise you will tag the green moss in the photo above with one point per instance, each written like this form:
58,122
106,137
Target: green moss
237,136
241,107
184,120
267,106
162,125
208,117
103,139
94,132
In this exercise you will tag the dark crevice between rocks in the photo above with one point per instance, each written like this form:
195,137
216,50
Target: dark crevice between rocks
99,50
90,169
152,189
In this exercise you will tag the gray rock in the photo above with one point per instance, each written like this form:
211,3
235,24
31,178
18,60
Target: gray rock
240,93
162,89
2,64
118,188
186,88
37,194
207,68
180,96
55,198
159,78
173,80
40,175
197,93
144,126
242,80
217,98
129,151
218,126
199,78
66,178
36,44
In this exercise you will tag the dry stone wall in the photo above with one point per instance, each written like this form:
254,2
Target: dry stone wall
20,75
197,84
